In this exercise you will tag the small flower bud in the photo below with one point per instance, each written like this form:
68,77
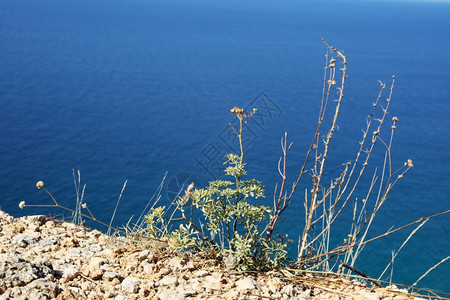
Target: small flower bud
84,205
394,127
39,184
22,204
190,187
395,119
331,66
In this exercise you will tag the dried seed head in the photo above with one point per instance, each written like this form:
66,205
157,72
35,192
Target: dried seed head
332,60
39,184
376,132
395,119
331,82
410,163
394,127
22,204
84,205
331,66
237,110
400,176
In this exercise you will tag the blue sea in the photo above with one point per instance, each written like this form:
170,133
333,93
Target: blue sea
130,90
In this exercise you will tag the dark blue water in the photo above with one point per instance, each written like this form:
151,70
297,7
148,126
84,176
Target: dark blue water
127,90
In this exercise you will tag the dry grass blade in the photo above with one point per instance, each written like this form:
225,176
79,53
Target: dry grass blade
431,269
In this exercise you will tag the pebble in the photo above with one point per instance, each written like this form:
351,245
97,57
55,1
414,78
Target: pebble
130,285
246,284
168,280
45,259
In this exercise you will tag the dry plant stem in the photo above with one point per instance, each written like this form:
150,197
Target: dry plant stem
431,269
115,209
91,217
388,186
401,247
325,274
316,134
278,211
362,274
240,138
75,217
324,102
368,153
157,194
313,203
382,195
342,249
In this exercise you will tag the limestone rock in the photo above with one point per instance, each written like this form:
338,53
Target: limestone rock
45,259
130,285
246,284
169,280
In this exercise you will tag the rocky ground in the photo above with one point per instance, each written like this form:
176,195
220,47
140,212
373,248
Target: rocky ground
41,258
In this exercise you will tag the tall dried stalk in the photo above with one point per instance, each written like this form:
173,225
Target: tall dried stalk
320,159
323,205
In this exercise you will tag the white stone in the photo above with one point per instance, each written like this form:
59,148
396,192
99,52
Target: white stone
169,280
95,248
246,284
274,284
305,294
164,271
201,273
130,285
169,296
145,255
69,272
212,282
111,275
95,271
195,284
289,290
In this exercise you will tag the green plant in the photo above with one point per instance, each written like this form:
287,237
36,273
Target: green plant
231,224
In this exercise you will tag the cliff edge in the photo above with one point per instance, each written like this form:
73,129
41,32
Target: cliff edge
41,258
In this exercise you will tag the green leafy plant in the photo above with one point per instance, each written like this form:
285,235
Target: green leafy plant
230,223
